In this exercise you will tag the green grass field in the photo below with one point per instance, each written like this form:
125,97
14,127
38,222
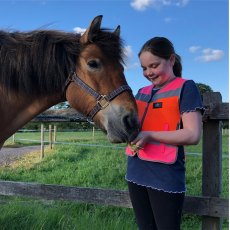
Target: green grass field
85,166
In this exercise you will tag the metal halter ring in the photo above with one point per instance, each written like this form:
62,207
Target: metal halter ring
103,101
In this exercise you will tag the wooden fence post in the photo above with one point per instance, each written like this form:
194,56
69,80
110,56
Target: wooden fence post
50,136
55,134
93,132
42,141
212,159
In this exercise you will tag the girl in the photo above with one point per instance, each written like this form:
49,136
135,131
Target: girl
170,111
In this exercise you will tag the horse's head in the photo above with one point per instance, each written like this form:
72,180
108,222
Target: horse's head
98,87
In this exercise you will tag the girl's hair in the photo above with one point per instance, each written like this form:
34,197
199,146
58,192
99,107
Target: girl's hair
163,48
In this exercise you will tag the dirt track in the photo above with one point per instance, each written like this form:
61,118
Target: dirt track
7,155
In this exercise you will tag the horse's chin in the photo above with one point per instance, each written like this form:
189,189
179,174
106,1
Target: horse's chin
117,135
113,137
121,137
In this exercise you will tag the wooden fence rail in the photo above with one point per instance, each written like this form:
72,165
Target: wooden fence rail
204,206
210,205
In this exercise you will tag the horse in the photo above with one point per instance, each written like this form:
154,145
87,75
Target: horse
41,68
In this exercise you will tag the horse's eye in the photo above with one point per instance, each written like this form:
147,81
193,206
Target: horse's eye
93,64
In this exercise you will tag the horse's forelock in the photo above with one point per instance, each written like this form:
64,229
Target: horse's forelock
111,44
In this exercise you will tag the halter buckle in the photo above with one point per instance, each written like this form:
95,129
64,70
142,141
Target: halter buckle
103,101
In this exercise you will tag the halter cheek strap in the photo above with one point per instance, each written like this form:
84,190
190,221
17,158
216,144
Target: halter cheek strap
102,100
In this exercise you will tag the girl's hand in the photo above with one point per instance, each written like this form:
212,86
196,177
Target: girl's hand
141,139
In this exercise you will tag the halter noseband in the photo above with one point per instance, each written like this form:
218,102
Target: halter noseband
102,100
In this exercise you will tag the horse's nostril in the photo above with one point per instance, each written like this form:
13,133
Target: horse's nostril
127,121
130,122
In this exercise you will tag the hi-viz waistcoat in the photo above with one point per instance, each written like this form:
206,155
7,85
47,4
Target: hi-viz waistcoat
159,112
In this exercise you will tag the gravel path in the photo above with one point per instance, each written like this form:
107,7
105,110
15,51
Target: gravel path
8,155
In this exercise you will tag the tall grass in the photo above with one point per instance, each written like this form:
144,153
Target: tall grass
89,167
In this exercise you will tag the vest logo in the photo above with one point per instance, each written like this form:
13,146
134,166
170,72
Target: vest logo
157,105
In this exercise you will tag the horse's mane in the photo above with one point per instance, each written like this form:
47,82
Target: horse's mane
39,61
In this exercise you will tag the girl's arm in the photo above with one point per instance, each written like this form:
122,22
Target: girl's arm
189,135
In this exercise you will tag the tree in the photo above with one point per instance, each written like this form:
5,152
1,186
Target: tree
203,88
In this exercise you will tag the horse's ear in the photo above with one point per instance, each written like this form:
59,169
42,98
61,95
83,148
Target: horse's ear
117,31
94,26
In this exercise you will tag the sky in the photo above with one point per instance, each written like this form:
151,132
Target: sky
199,30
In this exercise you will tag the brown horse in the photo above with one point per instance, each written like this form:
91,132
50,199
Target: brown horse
41,68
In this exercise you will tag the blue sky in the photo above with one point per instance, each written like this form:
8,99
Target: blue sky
199,30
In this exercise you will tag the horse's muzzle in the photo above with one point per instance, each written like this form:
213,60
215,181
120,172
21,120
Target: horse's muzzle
123,128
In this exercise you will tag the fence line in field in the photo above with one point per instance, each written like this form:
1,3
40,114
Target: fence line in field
54,142
101,146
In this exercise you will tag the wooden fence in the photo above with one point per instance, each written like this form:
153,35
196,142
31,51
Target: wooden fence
210,205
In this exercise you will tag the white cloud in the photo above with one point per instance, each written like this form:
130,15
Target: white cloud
128,51
209,55
79,30
144,4
179,3
193,49
131,61
141,4
206,55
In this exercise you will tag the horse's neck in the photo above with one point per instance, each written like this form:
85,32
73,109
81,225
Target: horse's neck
15,112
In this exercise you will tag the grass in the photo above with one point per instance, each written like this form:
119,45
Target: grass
87,167
63,215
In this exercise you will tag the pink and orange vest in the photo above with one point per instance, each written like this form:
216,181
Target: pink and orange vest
159,113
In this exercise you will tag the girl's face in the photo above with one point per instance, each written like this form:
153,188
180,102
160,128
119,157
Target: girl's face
157,70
